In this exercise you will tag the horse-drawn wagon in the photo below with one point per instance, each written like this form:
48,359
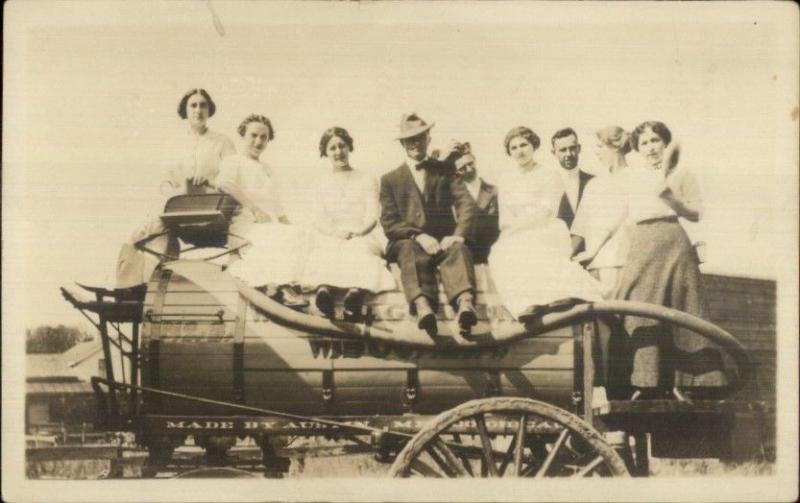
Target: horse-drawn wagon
211,358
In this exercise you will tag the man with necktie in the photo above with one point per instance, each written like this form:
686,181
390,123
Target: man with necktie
426,213
567,151
485,227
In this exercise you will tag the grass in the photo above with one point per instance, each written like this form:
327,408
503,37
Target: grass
364,465
89,469
664,467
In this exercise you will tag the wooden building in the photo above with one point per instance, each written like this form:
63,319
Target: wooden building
54,395
746,308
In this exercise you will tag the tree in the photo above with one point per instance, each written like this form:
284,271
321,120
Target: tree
53,339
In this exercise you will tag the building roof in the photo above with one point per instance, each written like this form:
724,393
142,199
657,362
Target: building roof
48,367
80,352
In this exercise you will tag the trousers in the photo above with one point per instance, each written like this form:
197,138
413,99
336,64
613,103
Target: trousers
418,270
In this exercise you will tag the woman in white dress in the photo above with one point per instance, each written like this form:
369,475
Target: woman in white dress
530,262
277,251
599,209
194,164
347,249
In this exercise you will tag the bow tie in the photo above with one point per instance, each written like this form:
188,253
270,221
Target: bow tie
422,165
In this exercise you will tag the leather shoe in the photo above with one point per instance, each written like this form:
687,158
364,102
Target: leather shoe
324,302
290,298
426,318
466,316
352,304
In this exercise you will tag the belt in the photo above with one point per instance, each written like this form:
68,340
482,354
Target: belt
673,218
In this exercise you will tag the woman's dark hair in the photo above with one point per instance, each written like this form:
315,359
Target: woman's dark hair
330,133
657,127
524,132
256,118
212,108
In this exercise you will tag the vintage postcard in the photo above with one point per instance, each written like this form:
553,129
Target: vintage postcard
348,251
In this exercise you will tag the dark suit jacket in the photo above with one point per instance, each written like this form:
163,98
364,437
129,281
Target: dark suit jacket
405,212
485,228
565,210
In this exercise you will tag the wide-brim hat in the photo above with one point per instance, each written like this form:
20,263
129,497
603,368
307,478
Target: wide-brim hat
412,125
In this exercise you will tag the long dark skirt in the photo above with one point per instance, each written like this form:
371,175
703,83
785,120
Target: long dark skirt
662,268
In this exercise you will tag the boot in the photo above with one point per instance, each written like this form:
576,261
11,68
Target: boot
426,318
466,315
324,302
353,301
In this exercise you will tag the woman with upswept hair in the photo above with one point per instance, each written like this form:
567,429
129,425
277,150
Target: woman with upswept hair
193,164
346,254
276,255
530,262
602,198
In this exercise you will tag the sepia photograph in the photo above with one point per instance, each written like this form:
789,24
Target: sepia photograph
328,247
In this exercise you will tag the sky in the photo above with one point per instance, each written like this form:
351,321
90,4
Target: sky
91,109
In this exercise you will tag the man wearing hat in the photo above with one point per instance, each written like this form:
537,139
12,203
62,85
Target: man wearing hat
485,227
418,200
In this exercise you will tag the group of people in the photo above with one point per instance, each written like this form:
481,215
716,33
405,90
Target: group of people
551,236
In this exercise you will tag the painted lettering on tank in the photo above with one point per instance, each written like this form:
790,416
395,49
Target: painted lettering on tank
378,350
335,349
200,425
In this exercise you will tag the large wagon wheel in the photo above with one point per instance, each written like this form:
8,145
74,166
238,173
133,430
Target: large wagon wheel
511,437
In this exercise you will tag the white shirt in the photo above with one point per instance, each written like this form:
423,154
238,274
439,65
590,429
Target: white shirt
198,154
256,180
528,198
474,187
571,180
345,200
615,203
601,209
418,174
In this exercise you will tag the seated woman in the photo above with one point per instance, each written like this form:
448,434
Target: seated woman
196,162
661,265
347,249
530,262
595,217
277,251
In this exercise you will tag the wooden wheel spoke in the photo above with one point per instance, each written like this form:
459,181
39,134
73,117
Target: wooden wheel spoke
546,442
450,458
523,419
446,468
509,454
486,443
551,456
586,470
464,459
424,469
528,471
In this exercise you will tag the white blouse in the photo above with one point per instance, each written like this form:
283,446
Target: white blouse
197,154
614,203
528,198
601,213
645,185
256,180
345,201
